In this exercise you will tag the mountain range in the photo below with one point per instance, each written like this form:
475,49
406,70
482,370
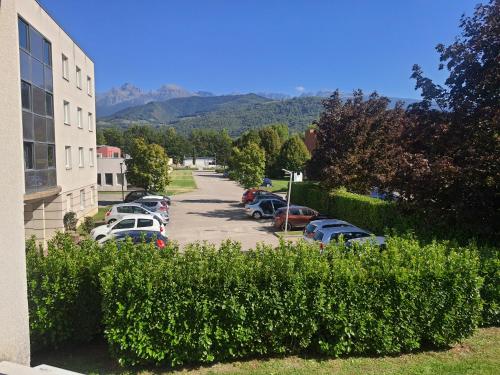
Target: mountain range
184,110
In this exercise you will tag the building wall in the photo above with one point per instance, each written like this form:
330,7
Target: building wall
200,162
14,324
111,165
45,216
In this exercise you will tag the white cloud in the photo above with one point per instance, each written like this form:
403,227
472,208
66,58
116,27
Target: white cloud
300,88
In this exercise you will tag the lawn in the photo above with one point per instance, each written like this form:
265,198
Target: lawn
182,182
479,354
279,186
99,216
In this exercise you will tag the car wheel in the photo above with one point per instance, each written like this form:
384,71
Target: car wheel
100,237
257,215
288,227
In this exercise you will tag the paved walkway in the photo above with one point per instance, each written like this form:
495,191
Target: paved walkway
214,213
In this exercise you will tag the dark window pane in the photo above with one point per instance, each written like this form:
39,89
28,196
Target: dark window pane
47,52
40,129
28,155
108,178
42,179
38,101
51,156
26,95
125,224
50,130
27,125
41,156
49,105
98,179
48,79
37,73
52,177
144,223
30,181
36,44
23,34
25,65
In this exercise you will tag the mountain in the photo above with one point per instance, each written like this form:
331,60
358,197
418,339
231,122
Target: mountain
128,95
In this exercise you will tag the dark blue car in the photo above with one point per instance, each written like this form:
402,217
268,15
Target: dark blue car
267,182
142,236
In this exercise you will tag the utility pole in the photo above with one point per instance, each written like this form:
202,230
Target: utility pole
121,172
290,173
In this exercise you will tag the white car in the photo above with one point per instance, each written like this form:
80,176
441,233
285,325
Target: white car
129,222
119,211
374,240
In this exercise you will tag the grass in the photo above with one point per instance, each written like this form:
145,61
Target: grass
182,182
279,186
99,216
479,354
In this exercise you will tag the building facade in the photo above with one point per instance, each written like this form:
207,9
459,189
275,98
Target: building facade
111,169
47,149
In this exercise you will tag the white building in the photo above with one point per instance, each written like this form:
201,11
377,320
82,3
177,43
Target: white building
199,162
111,169
47,152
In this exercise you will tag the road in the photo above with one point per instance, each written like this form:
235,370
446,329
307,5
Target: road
214,213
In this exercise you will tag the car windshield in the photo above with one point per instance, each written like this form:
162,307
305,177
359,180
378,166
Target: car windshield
310,228
318,236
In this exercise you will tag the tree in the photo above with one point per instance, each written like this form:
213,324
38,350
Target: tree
358,142
293,154
148,166
114,137
100,139
176,144
451,169
146,132
282,130
271,144
247,165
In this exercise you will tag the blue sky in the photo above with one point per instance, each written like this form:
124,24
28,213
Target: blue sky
285,46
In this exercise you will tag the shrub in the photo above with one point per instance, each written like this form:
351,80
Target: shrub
220,303
88,224
64,291
69,221
490,292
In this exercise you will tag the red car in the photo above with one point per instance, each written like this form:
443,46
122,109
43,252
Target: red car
249,195
298,217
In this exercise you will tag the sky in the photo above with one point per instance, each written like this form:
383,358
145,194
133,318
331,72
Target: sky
287,46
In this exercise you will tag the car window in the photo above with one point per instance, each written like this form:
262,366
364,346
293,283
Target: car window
266,205
143,223
307,212
139,210
336,225
310,228
294,211
319,235
277,204
124,209
351,235
125,224
149,204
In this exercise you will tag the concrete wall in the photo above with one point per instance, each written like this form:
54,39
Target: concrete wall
200,162
14,325
111,165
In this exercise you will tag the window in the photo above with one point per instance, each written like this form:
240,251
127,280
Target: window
78,78
47,52
66,113
108,178
99,179
26,95
49,105
82,199
28,155
89,86
139,210
65,67
91,122
125,209
80,157
51,155
116,155
125,224
69,202
24,40
144,223
79,118
67,153
91,157
119,178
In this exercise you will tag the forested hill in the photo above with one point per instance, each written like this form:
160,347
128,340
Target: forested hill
236,113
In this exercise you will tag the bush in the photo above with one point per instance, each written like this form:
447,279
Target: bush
88,224
64,292
69,221
490,292
213,304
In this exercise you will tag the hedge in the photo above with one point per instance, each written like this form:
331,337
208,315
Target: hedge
212,304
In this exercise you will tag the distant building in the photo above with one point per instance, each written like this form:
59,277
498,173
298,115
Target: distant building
311,139
200,162
111,169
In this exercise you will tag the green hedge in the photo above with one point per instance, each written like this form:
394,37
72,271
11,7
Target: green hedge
213,304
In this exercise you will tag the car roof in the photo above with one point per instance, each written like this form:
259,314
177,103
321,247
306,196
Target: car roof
137,216
350,228
131,204
151,198
324,222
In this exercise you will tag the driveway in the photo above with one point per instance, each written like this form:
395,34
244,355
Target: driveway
214,213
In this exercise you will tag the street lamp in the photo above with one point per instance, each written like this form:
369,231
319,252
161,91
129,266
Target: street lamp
290,173
121,172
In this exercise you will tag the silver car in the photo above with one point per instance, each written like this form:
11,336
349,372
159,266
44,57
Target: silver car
264,208
155,204
118,211
325,236
316,225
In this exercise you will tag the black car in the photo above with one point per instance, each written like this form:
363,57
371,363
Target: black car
137,194
142,236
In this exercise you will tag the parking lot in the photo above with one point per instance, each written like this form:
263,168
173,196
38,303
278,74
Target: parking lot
214,213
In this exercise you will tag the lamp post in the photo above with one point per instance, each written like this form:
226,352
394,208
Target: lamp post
290,173
121,172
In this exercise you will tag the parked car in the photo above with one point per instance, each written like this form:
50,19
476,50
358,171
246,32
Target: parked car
248,195
264,208
137,237
137,194
267,195
127,223
315,225
298,217
153,203
325,236
118,211
267,182
374,240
